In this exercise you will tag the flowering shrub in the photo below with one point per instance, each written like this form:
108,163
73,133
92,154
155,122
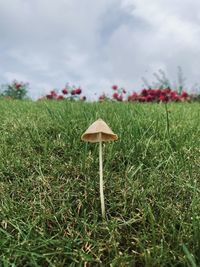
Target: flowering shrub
158,95
15,90
146,95
69,92
18,90
119,93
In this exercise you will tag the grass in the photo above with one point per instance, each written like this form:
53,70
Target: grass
50,211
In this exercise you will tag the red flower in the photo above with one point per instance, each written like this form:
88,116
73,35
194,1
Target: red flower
78,91
158,92
130,98
49,96
184,94
102,98
149,98
164,98
153,93
114,87
142,99
144,92
18,86
133,97
120,98
174,96
115,96
60,97
64,91
53,93
167,90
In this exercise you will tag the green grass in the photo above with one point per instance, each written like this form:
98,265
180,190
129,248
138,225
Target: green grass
50,212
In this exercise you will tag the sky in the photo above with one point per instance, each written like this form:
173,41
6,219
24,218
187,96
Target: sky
95,44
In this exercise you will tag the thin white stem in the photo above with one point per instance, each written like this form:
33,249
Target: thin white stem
101,180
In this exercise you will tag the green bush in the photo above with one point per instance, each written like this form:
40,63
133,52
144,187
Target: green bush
15,90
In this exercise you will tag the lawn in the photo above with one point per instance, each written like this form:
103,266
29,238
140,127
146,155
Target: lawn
50,213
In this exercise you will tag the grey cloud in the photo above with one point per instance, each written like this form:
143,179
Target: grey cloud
97,43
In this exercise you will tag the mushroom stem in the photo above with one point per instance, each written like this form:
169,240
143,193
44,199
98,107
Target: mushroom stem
101,180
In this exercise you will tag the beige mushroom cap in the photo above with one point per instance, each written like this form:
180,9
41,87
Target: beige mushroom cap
99,131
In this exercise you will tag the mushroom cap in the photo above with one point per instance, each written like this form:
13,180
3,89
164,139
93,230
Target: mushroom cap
99,131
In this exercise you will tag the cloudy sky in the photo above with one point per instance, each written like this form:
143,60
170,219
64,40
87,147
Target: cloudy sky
97,43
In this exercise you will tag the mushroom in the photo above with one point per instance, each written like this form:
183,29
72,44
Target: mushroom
99,131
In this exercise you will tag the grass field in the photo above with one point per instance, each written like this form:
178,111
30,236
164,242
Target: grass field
50,211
